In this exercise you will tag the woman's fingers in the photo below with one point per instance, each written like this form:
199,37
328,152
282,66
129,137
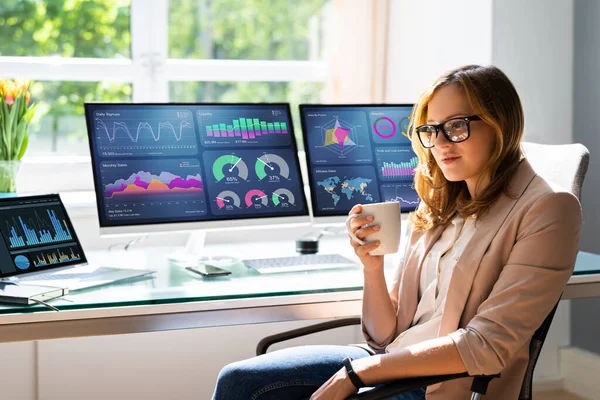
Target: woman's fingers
362,251
360,221
362,233
357,209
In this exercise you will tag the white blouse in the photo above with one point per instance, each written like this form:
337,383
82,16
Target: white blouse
434,280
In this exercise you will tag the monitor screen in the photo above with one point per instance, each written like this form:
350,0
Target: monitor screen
36,235
222,165
358,154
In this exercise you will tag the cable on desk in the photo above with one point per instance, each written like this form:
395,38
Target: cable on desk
45,304
127,245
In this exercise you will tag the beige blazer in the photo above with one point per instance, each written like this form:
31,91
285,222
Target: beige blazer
509,277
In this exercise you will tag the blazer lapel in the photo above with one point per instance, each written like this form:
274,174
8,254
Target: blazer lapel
468,264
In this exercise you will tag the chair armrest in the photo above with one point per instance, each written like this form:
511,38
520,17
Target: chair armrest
264,344
401,386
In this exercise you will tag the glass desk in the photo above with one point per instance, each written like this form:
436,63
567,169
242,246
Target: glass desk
174,298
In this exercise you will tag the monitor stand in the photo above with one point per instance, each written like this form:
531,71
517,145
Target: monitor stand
193,253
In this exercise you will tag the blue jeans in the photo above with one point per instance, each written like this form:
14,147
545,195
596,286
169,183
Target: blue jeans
291,374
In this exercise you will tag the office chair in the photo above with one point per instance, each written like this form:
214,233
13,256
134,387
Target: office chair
565,165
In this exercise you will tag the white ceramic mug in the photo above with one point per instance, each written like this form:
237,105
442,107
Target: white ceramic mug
387,216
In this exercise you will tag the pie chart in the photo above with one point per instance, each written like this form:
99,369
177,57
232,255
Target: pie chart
22,262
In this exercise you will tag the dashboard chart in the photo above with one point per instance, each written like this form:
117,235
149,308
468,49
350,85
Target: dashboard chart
139,189
390,126
340,188
33,229
35,226
396,163
359,154
247,181
404,193
170,163
244,128
338,137
145,133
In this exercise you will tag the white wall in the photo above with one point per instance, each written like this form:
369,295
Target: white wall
533,44
428,37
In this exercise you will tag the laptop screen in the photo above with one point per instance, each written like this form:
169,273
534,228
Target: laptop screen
36,235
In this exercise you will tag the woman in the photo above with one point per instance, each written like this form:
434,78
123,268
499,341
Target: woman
489,252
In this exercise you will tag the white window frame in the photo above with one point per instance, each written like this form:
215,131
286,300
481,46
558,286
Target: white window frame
149,71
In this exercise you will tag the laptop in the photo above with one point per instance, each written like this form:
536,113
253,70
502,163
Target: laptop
39,247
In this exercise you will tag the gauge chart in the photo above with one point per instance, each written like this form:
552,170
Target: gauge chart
283,198
271,167
227,200
230,168
256,198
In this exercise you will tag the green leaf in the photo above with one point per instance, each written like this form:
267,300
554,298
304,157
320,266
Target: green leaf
23,147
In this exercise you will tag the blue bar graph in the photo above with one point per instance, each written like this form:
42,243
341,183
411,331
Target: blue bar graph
31,236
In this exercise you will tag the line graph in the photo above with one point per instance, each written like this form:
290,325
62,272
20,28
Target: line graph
142,126
403,193
145,133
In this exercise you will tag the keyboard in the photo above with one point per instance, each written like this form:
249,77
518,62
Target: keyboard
53,276
308,262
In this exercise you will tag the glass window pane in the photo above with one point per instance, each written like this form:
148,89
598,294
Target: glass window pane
246,30
65,28
294,93
59,123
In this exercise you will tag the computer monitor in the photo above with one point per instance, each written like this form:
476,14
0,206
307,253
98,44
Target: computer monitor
357,154
179,167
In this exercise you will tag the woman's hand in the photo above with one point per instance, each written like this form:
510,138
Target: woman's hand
338,387
362,251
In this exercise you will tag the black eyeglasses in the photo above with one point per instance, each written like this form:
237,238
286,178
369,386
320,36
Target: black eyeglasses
456,130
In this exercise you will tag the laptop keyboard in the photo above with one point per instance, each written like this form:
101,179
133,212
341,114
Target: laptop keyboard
307,262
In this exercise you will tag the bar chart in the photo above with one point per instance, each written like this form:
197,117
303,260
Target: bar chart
396,163
244,126
247,128
37,229
56,256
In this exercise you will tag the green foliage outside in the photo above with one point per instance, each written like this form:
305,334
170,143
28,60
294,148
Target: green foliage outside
225,29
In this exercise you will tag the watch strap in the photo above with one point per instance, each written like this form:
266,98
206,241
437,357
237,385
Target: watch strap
356,381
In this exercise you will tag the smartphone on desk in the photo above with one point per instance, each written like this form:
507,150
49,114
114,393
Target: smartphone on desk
208,270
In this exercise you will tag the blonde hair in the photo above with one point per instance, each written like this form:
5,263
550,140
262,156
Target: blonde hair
495,100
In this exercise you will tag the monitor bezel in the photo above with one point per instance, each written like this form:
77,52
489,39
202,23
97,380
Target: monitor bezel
302,218
331,218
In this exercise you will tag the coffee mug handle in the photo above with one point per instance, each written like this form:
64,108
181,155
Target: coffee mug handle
352,235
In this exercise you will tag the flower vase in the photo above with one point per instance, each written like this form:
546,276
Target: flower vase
8,177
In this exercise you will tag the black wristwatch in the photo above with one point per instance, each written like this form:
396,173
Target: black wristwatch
356,381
